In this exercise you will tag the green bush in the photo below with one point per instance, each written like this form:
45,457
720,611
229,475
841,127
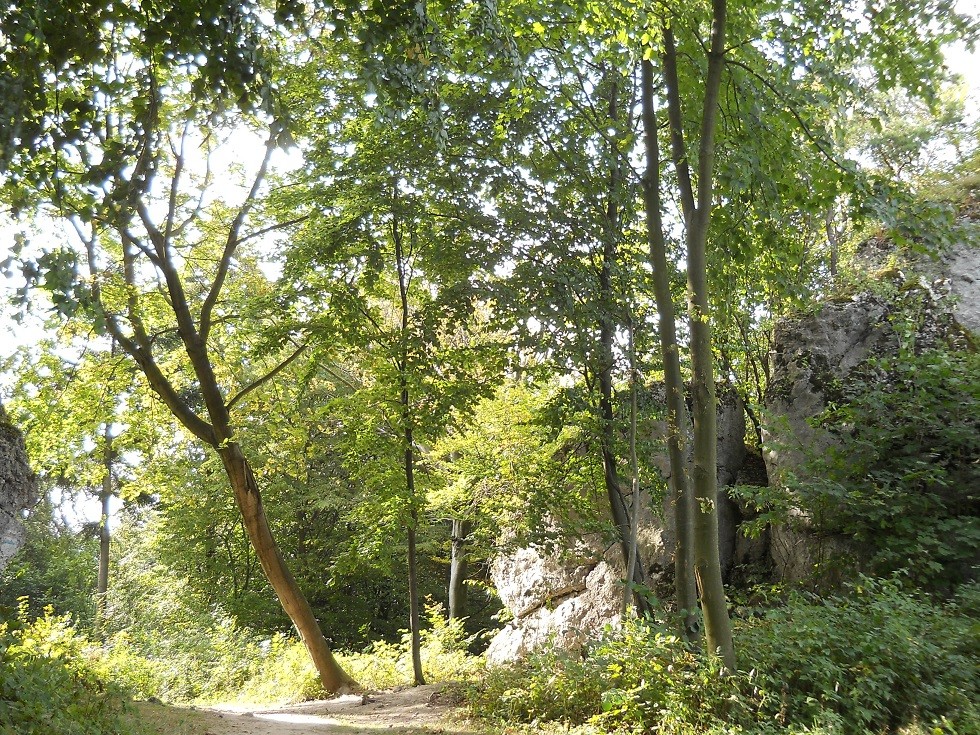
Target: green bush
873,661
904,481
876,659
47,686
211,659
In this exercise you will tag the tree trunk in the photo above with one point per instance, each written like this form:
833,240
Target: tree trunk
682,501
634,477
249,501
707,566
457,569
102,586
617,505
415,623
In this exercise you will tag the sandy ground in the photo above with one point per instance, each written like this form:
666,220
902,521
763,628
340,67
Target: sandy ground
426,710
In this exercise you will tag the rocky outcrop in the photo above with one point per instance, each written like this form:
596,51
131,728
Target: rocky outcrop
815,355
961,266
564,598
18,489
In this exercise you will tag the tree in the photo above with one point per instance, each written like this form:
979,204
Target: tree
81,409
565,197
171,325
888,43
392,238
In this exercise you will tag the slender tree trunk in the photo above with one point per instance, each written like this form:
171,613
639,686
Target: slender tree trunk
415,623
249,501
682,500
607,299
102,585
707,566
634,476
458,563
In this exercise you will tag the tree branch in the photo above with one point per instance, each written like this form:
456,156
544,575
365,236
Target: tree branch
265,378
143,357
675,118
233,241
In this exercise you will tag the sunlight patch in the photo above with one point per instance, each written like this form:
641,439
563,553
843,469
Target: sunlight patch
296,719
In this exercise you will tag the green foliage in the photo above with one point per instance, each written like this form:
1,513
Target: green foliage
904,480
444,652
47,687
517,473
56,567
208,658
875,659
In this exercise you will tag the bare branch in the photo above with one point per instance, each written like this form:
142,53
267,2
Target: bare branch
265,378
143,357
796,115
233,241
168,232
273,228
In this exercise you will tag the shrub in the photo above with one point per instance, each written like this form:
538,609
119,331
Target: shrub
48,688
875,660
213,659
904,480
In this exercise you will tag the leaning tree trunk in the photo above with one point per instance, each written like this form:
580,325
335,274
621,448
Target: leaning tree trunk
458,564
249,501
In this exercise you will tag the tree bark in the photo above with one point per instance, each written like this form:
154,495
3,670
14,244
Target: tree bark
707,566
681,498
249,501
102,585
458,563
415,624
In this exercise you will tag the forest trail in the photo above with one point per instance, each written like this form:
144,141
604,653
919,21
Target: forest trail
408,711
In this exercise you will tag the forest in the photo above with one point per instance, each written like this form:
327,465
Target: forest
489,366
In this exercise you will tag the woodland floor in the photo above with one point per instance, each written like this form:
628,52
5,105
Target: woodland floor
425,710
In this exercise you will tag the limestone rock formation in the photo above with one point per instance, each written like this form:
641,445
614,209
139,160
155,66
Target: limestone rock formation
18,489
565,598
815,354
961,265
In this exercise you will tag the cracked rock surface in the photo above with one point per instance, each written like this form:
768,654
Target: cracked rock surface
18,489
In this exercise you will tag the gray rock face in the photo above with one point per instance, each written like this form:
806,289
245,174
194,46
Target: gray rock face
813,357
564,599
962,267
18,489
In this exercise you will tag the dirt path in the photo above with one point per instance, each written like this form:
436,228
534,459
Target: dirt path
409,711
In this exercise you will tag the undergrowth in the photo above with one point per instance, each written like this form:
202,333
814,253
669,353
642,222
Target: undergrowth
227,663
878,660
47,685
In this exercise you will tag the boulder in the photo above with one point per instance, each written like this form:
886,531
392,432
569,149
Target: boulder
814,355
564,597
961,266
18,489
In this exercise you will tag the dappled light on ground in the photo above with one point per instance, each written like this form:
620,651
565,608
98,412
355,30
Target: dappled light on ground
408,711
